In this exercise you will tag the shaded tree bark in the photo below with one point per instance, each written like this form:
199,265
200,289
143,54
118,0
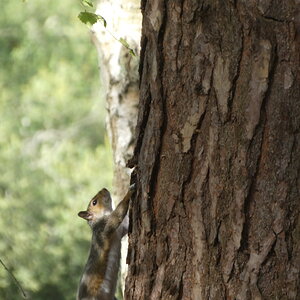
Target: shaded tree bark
216,215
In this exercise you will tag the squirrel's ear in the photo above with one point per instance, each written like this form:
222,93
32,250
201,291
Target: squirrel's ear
85,215
106,195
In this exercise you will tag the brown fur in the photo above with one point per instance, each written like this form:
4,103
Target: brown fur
104,223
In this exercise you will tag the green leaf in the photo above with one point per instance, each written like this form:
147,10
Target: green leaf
103,20
88,17
87,3
132,52
91,18
124,43
127,46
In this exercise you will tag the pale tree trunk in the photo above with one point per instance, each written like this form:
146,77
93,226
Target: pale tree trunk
119,77
216,214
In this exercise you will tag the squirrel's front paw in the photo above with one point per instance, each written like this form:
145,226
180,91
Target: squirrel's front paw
132,188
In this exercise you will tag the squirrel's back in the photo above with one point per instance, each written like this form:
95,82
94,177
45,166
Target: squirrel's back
101,270
99,279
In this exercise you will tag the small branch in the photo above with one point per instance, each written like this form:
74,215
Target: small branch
14,278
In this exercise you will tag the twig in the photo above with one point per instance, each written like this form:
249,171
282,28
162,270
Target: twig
14,278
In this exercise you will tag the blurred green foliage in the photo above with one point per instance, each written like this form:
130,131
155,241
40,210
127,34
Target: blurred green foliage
53,152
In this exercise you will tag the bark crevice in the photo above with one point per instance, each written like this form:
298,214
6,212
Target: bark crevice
222,180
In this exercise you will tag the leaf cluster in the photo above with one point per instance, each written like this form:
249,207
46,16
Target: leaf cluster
88,17
91,18
53,151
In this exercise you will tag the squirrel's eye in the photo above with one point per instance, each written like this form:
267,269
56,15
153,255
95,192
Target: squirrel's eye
94,202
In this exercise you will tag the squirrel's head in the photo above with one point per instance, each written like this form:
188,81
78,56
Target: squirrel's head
99,206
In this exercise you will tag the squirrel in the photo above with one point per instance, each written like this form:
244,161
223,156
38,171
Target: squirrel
99,278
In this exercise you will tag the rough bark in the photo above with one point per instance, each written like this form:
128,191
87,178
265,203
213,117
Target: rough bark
119,78
217,155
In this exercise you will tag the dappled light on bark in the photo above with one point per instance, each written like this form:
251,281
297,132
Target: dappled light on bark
217,152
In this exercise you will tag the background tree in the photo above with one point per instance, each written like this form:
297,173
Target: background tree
216,214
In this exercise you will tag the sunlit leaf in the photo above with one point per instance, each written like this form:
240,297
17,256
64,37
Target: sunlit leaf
124,43
127,46
88,17
132,52
87,3
104,21
91,18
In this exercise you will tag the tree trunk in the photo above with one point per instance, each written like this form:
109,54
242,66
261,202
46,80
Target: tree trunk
217,157
119,78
